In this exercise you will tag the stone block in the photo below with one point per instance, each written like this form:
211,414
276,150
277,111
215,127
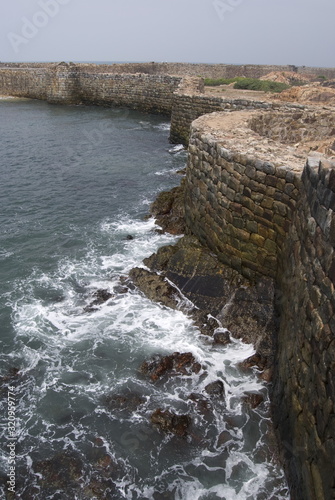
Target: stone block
257,239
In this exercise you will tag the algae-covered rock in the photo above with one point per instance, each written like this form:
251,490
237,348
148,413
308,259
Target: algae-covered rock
154,287
198,273
173,364
171,422
169,210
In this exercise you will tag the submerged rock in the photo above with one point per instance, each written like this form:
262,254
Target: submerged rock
101,296
62,472
127,402
222,338
224,438
253,399
171,422
215,389
174,364
9,381
202,404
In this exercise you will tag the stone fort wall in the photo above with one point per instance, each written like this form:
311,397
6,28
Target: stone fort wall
264,210
189,69
69,84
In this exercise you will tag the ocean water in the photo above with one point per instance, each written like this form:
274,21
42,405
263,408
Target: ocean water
76,182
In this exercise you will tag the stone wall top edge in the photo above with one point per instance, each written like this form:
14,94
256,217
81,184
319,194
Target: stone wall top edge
177,65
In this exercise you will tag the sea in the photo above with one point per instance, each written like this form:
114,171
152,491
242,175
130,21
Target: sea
76,186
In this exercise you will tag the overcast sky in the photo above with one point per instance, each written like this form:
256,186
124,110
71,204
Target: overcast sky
299,32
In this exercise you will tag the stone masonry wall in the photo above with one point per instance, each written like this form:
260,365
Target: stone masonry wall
139,91
190,104
276,217
66,84
182,69
239,206
304,379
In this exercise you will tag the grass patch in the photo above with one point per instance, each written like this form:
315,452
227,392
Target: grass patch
264,85
214,82
248,84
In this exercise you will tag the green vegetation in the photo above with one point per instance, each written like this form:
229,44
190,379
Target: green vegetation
264,85
248,84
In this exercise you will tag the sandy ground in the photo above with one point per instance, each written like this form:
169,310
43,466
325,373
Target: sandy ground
228,92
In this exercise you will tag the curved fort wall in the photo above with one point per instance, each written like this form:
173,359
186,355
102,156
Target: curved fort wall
264,210
257,204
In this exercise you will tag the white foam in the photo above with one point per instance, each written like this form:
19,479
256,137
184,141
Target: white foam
177,149
83,356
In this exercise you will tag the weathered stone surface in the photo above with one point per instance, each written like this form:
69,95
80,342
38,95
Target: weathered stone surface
221,338
170,422
202,404
101,296
253,399
169,211
173,364
155,287
215,389
250,315
197,273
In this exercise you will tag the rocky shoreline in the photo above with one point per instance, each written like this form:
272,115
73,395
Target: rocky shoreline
189,277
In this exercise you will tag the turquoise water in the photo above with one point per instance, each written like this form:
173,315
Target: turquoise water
75,183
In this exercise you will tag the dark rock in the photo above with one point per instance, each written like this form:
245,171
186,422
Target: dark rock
174,364
120,289
63,471
199,275
253,399
171,422
101,296
129,237
250,315
204,321
203,405
267,375
224,438
222,338
154,287
169,211
254,360
167,495
101,484
215,389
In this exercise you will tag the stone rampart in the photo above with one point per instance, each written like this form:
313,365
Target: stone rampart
304,380
264,210
189,69
68,84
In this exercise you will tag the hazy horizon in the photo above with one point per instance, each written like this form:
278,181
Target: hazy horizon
198,31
